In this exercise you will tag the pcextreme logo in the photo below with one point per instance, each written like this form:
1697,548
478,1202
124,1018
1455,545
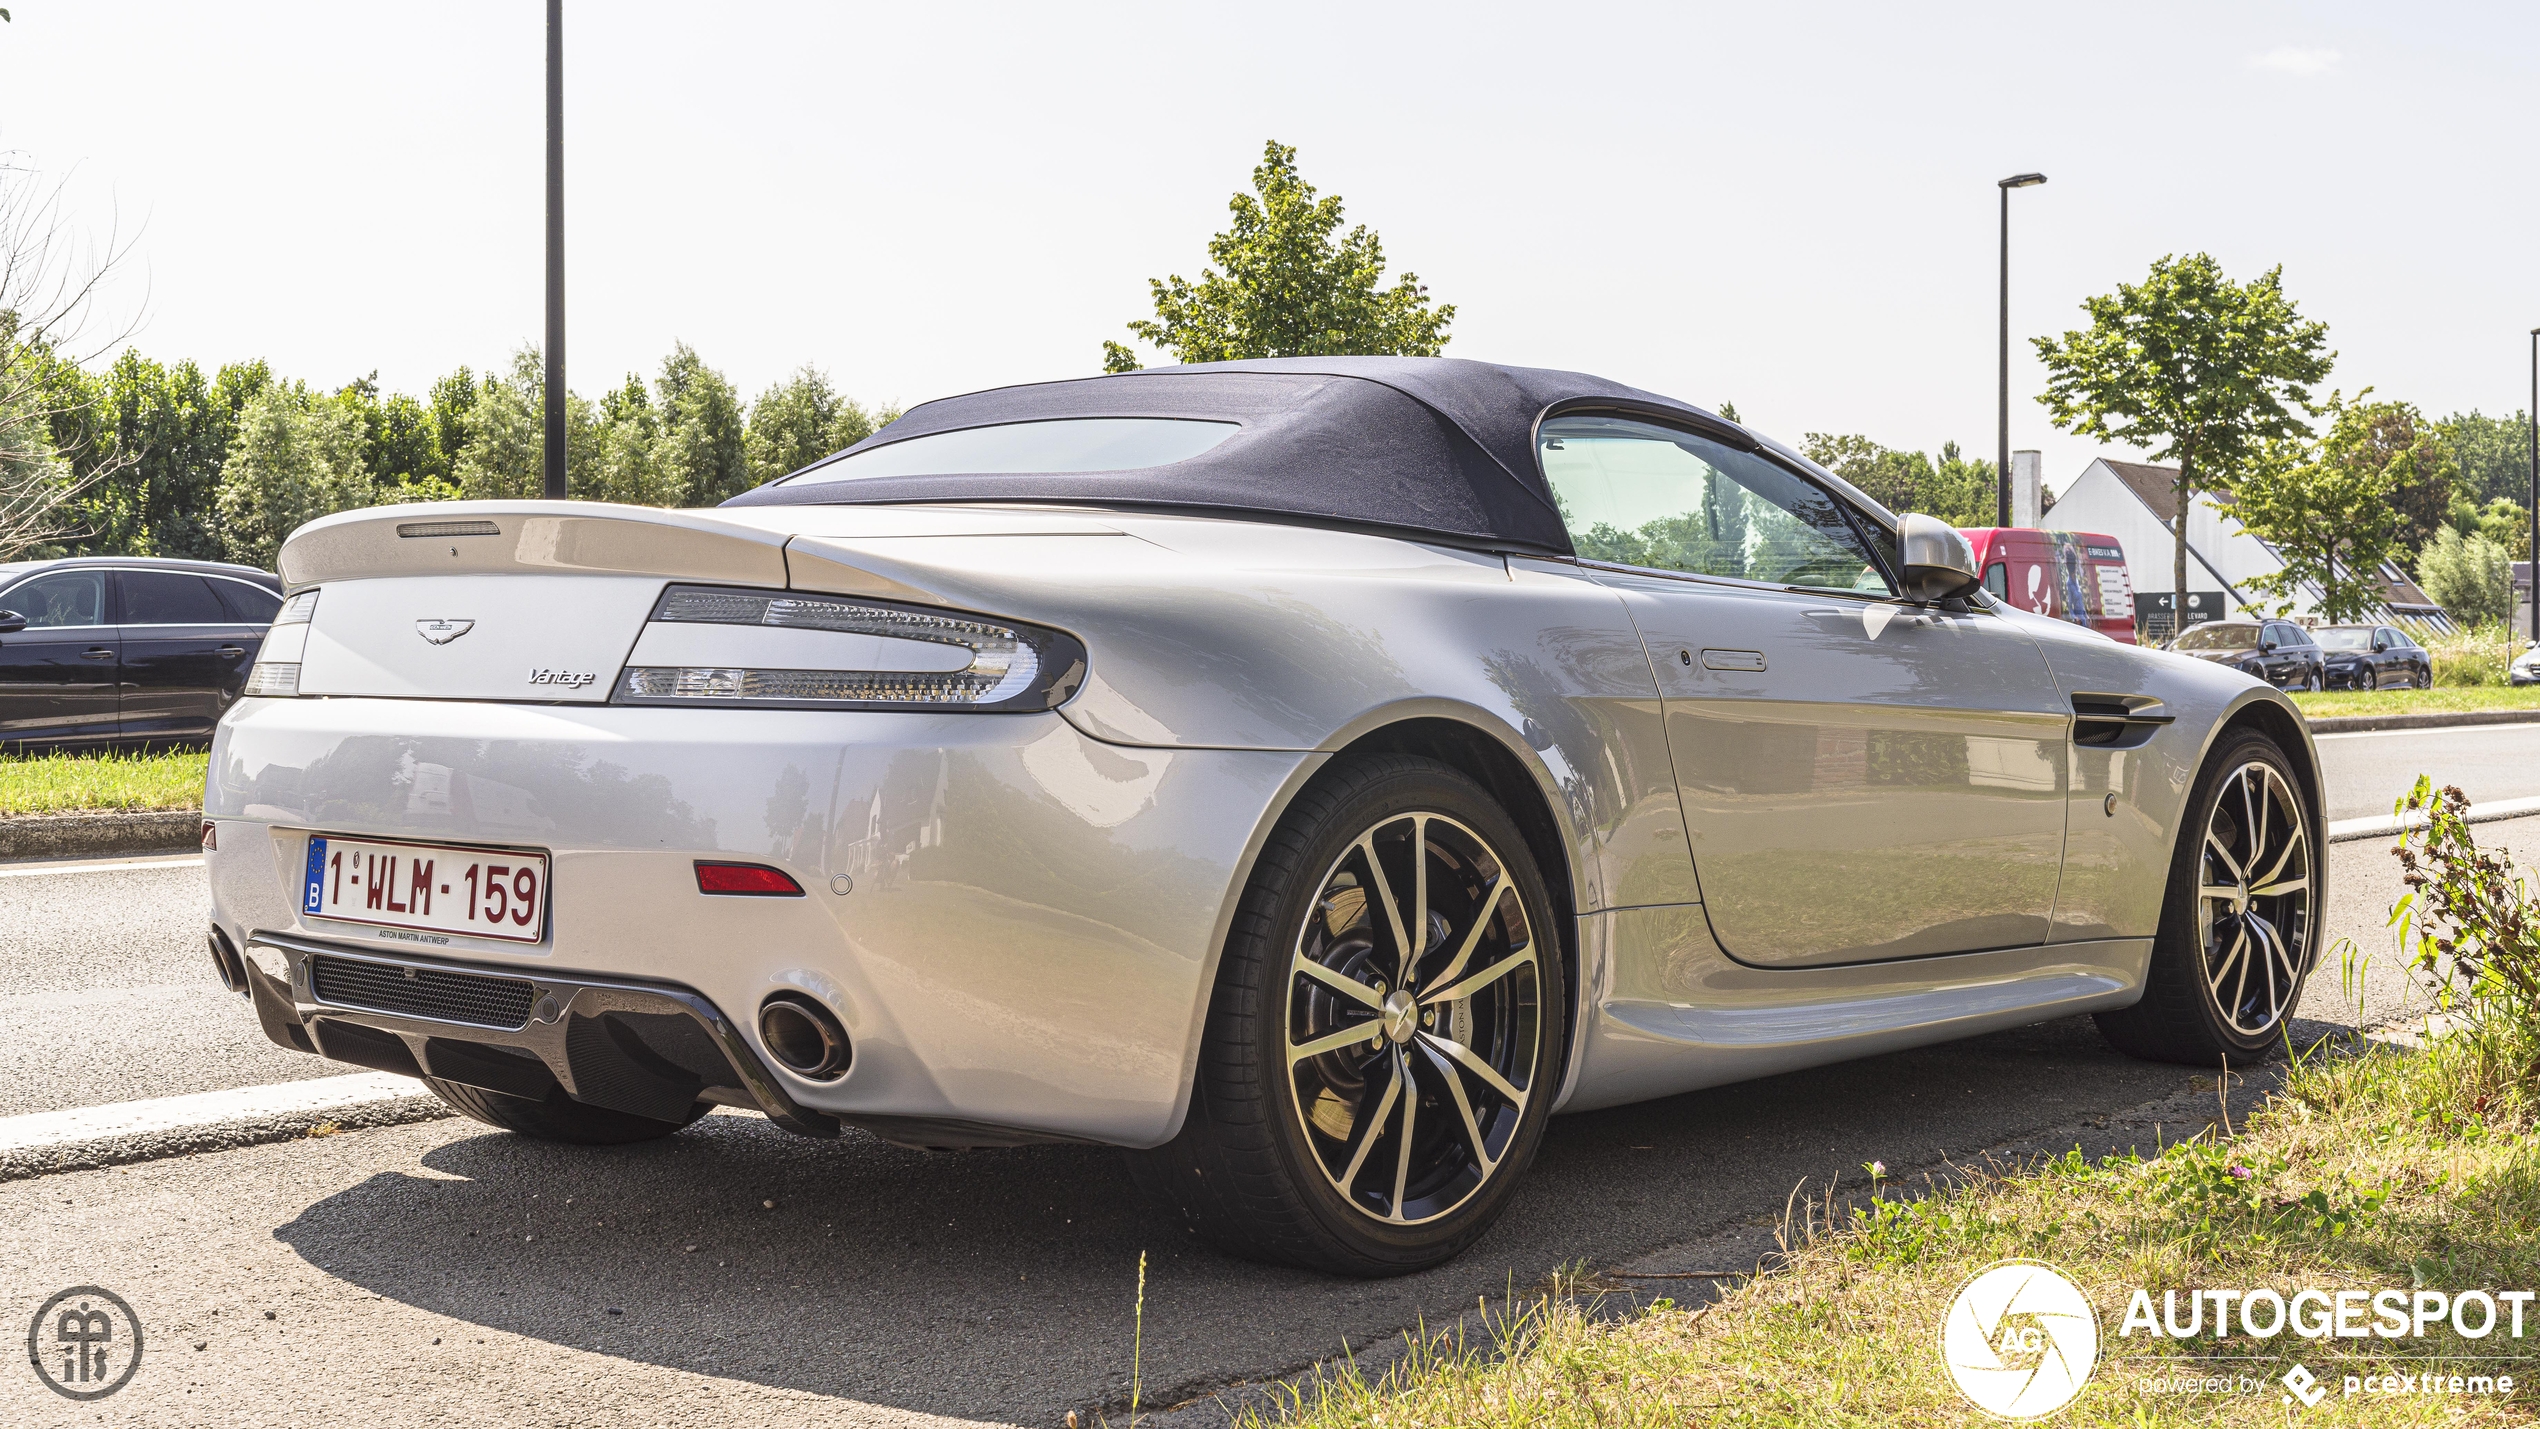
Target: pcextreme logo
2020,1340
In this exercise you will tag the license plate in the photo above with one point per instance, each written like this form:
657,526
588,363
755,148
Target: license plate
473,892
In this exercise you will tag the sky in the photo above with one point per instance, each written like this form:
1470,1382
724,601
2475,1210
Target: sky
1791,207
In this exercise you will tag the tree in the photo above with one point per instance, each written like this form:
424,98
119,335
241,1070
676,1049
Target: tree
2494,453
292,461
2422,468
2326,510
51,445
704,439
802,419
2193,368
1287,289
1954,489
2470,576
506,435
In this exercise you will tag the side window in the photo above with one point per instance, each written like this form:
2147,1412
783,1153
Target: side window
1636,494
170,598
2381,640
246,604
1997,581
64,598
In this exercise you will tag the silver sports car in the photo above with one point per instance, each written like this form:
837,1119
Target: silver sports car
1309,774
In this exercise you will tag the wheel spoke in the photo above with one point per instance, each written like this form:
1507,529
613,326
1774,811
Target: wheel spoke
1410,1110
2222,967
1393,912
2266,948
2223,853
1333,1042
2291,846
1463,1107
2278,890
2256,797
1419,895
1523,957
1465,1058
1473,935
2221,892
1373,1127
1339,982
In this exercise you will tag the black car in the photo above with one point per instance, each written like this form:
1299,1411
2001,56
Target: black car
2374,657
98,652
2276,651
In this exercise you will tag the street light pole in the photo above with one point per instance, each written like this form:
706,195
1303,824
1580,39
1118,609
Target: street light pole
2002,472
555,251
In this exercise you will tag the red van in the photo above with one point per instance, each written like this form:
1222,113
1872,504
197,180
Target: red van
2071,575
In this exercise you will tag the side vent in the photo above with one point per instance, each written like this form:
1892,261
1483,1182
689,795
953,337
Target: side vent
2116,721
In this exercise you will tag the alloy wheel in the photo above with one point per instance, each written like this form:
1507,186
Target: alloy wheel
2253,905
1414,1018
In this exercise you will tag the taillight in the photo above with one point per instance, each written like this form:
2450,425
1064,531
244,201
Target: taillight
746,880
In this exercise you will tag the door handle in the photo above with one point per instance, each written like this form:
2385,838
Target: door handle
98,652
230,652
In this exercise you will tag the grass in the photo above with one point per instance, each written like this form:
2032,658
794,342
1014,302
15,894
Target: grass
2443,699
68,784
2368,1171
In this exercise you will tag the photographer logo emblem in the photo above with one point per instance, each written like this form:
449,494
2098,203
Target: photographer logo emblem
85,1343
2020,1340
2305,1385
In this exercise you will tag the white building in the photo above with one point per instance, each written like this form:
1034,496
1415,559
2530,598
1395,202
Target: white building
2135,503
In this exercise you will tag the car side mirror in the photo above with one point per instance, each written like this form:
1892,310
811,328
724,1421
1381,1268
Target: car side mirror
1939,564
2266,642
11,622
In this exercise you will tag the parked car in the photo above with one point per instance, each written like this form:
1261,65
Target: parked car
1293,771
2079,576
2525,670
100,652
2374,657
2276,651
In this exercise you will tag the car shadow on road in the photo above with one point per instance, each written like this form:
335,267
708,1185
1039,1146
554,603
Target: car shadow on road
1002,1284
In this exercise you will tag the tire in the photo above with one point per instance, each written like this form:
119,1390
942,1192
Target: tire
2312,683
2227,972
556,1117
1284,1159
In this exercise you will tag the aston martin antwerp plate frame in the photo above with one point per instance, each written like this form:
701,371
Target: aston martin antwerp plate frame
434,888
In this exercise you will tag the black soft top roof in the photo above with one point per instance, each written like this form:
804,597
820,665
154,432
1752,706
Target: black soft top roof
1440,446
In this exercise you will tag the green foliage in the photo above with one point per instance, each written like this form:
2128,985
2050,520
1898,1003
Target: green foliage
704,439
1287,288
2471,656
802,419
2328,508
2191,367
67,783
505,454
1959,491
2471,577
2494,453
291,461
2472,933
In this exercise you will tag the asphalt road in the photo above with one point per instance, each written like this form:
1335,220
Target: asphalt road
2367,772
444,1273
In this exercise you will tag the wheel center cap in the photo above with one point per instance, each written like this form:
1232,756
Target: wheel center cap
1401,1015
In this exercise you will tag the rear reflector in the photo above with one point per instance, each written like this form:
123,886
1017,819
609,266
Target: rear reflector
750,880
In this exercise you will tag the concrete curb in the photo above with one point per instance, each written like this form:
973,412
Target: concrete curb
22,1163
2376,826
110,835
2363,724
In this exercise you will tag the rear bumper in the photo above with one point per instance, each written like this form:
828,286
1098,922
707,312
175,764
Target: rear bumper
1016,924
651,1050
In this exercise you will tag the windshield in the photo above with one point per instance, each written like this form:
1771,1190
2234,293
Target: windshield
2217,635
2344,637
1066,445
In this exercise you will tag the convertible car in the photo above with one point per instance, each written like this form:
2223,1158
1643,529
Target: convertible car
1309,774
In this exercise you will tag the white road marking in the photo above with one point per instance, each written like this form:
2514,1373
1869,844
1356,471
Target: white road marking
2525,727
201,1109
170,860
2382,824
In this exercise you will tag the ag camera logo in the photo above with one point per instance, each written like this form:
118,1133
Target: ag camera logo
2020,1340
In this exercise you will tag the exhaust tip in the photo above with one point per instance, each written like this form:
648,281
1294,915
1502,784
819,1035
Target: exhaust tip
804,1036
226,963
